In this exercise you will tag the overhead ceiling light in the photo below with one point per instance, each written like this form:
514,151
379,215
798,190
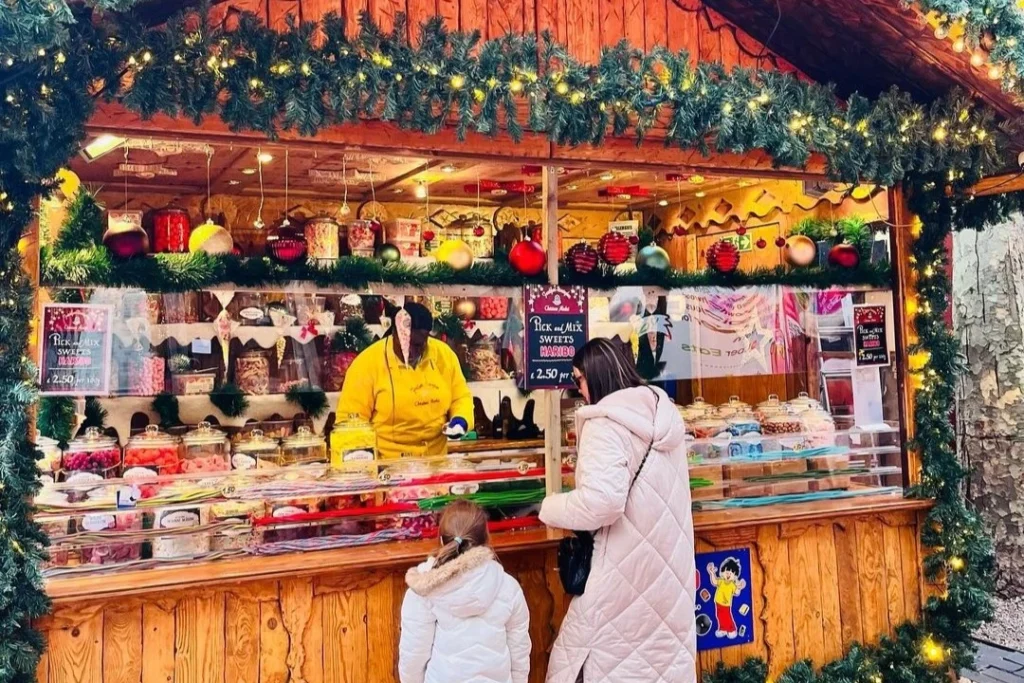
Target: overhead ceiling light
663,202
248,171
624,195
607,176
264,157
499,192
571,187
398,190
744,183
448,168
421,190
701,194
101,145
696,179
234,182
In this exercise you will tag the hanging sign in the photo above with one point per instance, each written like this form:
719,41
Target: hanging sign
74,358
725,613
870,338
556,328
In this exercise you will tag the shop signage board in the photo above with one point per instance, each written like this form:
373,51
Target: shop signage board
870,338
74,358
556,328
725,604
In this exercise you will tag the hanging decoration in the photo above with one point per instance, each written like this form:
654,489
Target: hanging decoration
388,253
654,257
800,250
581,258
614,248
125,237
844,255
528,258
208,236
723,257
455,253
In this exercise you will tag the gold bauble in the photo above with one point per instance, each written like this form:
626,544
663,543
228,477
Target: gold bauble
455,253
800,250
211,238
465,309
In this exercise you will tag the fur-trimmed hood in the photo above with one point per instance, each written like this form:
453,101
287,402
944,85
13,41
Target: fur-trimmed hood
464,586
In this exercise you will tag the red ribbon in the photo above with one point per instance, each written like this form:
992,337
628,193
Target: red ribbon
309,329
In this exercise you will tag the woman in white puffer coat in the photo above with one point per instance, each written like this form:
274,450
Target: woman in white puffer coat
464,620
635,620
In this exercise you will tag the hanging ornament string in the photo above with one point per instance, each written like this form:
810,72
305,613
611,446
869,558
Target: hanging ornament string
344,210
287,204
209,205
258,223
126,174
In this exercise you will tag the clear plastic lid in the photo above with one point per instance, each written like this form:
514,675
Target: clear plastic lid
92,440
152,437
303,438
204,434
257,443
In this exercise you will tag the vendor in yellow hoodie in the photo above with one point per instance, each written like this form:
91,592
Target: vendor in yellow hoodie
410,386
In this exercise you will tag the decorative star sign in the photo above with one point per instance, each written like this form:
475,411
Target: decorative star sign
757,345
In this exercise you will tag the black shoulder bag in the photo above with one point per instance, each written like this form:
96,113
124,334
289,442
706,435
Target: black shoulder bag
576,552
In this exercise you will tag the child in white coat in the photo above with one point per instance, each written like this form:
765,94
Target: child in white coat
463,618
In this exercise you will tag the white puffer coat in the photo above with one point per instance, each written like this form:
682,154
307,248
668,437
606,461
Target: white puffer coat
635,621
465,621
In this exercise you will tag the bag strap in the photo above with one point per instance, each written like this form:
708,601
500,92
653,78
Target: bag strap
657,401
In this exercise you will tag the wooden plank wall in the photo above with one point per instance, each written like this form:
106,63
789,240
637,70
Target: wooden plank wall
677,24
817,588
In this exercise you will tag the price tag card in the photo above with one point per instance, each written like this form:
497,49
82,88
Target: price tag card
870,337
74,358
556,328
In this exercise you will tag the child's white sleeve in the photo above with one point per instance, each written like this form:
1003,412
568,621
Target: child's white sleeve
518,630
417,638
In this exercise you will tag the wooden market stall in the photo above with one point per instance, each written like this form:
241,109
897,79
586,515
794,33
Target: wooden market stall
824,571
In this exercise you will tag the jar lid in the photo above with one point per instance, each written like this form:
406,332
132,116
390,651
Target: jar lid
353,421
204,433
152,437
803,402
734,404
256,442
700,404
744,417
771,402
93,439
303,438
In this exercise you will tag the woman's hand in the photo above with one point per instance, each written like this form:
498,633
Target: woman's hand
456,428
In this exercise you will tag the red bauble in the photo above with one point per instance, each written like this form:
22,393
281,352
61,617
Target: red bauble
375,225
614,248
478,231
633,239
528,258
844,256
680,230
741,230
761,244
581,258
780,242
723,257
428,236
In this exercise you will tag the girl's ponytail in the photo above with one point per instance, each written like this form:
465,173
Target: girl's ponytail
463,527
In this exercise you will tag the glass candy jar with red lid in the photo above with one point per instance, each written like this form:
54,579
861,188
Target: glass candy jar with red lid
171,230
206,450
153,451
94,453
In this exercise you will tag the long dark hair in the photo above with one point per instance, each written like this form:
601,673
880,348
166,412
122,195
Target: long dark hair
607,367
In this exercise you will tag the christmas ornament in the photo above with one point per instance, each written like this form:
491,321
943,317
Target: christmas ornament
634,240
125,239
287,244
780,242
211,238
614,248
581,258
388,253
761,244
680,230
800,250
465,309
376,225
528,258
478,231
844,256
428,235
723,257
455,253
741,231
653,256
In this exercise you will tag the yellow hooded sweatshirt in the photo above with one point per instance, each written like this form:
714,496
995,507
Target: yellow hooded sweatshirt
408,407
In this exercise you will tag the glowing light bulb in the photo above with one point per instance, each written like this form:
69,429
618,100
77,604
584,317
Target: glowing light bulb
421,191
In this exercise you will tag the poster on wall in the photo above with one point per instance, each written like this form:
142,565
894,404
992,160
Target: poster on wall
628,229
75,341
724,606
556,328
870,336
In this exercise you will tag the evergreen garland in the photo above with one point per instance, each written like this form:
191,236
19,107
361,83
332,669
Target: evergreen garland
84,224
166,407
354,336
230,400
311,400
55,418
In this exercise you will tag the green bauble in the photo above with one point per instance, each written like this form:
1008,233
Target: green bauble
388,253
653,256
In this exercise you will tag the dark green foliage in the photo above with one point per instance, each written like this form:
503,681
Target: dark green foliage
166,406
854,231
229,399
312,400
354,336
84,224
56,418
95,414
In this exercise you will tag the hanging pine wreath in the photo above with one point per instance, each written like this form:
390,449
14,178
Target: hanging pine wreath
311,400
230,400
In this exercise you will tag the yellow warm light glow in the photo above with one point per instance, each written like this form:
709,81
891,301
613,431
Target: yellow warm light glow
101,145
932,651
911,307
264,157
918,360
956,563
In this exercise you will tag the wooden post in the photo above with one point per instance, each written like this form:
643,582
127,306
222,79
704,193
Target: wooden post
552,398
903,290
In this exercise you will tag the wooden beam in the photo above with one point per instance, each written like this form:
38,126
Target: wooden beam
1000,184
552,399
425,166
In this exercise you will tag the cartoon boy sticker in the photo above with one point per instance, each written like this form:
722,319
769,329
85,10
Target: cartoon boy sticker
728,584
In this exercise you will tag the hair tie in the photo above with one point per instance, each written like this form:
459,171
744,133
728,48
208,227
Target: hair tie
458,540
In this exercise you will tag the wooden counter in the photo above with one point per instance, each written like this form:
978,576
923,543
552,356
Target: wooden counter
823,577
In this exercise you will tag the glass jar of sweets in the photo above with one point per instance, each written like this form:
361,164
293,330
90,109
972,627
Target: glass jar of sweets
256,451
252,371
93,452
206,450
354,447
303,448
323,245
154,452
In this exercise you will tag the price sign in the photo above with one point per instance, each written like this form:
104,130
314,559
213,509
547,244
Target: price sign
870,338
76,344
556,328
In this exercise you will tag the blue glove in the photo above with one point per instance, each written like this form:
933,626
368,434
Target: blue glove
457,428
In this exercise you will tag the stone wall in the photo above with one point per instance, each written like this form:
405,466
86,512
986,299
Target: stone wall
988,298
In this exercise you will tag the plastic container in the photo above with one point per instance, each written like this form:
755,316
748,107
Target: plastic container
49,463
180,308
195,383
93,453
182,544
256,451
153,452
492,308
206,450
239,512
484,361
709,427
803,403
147,377
171,230
303,448
819,427
252,372
697,410
361,239
106,552
743,423
354,447
338,363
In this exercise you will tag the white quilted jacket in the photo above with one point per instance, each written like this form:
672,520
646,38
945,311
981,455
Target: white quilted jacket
464,622
635,621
